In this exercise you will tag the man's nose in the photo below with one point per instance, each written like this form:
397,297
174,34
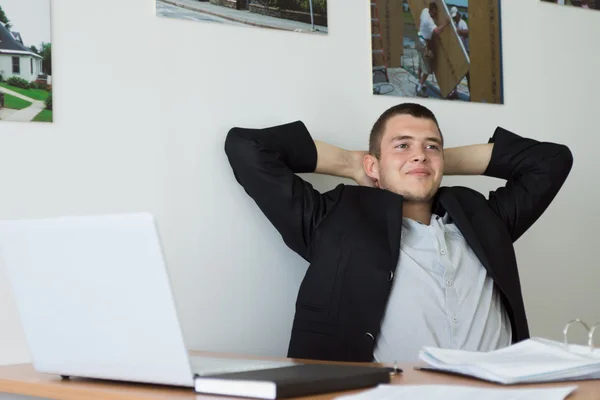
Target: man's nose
419,156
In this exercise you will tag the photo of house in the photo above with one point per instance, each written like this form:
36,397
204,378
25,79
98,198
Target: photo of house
307,16
16,60
25,61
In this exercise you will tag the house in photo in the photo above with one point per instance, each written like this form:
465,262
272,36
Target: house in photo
16,59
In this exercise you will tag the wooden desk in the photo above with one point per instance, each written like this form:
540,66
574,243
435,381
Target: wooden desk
23,379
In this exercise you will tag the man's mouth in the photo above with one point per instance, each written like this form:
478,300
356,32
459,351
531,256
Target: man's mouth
419,172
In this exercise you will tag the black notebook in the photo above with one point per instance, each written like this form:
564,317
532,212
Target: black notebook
292,381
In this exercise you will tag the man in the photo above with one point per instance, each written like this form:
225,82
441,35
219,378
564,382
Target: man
463,33
424,45
397,262
461,27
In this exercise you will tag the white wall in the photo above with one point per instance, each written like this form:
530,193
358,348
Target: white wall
27,72
6,65
25,63
146,133
37,68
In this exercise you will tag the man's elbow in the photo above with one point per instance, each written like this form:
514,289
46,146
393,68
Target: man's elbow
239,142
562,160
568,157
233,141
238,148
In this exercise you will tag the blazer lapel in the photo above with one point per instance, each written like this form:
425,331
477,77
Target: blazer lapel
463,222
394,227
391,211
386,212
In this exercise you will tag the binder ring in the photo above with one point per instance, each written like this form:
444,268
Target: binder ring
591,336
567,329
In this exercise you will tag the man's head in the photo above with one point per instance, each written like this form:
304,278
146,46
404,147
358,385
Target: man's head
433,10
406,152
455,14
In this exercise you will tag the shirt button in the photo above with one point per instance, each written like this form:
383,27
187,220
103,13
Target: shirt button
443,251
449,282
455,320
390,276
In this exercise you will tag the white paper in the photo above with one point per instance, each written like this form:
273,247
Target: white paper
533,360
455,392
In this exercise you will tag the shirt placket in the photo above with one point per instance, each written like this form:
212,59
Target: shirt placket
452,310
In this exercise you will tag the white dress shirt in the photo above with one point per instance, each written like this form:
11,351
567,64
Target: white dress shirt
442,296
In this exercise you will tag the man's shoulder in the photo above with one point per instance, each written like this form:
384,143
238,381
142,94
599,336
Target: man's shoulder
363,197
425,17
462,193
358,190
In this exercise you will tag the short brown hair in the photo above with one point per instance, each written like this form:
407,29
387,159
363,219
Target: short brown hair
416,110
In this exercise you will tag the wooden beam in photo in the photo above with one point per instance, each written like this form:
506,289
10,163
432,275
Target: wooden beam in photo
451,62
485,51
392,26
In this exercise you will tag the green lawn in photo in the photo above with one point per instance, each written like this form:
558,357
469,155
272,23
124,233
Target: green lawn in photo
36,94
15,103
43,116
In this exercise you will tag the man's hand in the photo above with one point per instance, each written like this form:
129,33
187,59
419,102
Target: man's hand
332,160
467,160
440,28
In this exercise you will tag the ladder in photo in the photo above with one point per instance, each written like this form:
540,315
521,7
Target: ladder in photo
376,39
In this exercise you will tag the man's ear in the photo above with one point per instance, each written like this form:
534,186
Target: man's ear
371,166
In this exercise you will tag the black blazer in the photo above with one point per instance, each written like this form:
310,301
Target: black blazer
351,234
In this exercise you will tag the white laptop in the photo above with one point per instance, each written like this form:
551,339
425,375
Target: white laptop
94,299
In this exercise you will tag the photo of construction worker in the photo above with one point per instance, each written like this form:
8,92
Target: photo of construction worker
589,4
442,49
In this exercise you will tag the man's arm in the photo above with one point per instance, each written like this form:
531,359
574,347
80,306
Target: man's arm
535,171
462,29
266,162
438,30
467,160
335,161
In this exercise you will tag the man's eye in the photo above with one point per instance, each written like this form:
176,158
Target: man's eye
402,145
433,147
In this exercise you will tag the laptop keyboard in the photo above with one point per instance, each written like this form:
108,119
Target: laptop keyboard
213,365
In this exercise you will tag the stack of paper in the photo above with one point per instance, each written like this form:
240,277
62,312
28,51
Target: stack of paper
451,392
532,360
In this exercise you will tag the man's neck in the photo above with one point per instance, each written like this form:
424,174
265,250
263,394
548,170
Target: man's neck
419,211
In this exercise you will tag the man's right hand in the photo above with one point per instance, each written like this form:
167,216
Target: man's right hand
439,29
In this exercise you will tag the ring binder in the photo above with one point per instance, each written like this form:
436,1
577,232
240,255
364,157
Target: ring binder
591,336
589,330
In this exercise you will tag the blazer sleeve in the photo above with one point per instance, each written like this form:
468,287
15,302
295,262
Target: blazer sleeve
535,171
265,163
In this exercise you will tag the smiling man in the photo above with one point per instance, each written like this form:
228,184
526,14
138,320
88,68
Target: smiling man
399,262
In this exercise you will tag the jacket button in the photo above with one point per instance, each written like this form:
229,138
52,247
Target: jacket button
390,276
369,336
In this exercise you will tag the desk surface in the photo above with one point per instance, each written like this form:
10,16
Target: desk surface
23,379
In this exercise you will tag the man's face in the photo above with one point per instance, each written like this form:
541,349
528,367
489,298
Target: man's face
411,162
433,12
